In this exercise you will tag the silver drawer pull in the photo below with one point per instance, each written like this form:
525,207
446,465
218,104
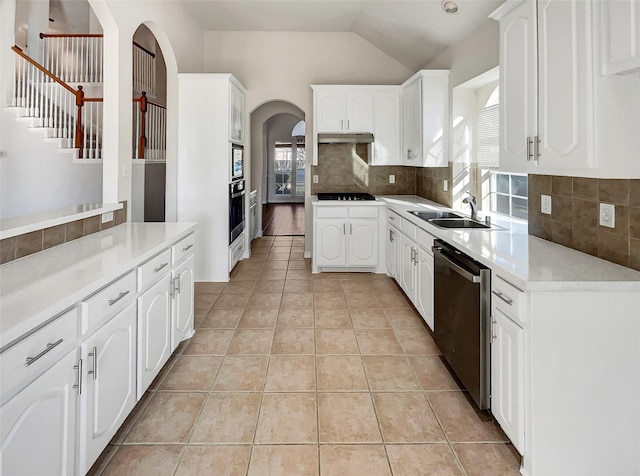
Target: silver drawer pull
187,248
502,296
120,296
50,347
79,384
162,266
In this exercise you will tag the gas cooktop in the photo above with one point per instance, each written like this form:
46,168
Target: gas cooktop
345,196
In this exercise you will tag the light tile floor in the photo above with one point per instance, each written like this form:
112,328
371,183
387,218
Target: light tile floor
292,374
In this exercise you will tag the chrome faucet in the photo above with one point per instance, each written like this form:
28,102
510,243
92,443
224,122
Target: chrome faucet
473,203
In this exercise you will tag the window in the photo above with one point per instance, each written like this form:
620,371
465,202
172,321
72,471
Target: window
509,195
282,169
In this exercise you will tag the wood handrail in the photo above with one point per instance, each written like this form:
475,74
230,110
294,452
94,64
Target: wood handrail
81,35
150,53
46,72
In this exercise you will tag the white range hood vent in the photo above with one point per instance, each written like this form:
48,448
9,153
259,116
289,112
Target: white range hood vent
345,138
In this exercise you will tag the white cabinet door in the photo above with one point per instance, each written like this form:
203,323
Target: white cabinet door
110,382
424,286
154,332
362,242
329,111
620,36
407,266
434,108
565,86
393,253
359,112
182,315
236,125
330,242
386,128
507,379
412,123
518,85
38,425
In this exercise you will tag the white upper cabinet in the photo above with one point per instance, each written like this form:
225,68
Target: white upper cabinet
425,119
620,36
386,127
236,111
546,86
343,111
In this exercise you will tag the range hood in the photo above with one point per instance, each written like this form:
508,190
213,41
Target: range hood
345,138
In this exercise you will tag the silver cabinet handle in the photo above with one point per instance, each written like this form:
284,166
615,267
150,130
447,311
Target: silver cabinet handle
415,259
161,267
94,372
536,148
78,385
529,142
413,254
391,236
347,124
120,296
176,284
502,296
341,124
344,228
493,334
350,229
187,248
391,217
31,360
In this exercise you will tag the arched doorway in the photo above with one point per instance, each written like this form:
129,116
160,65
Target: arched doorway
149,170
278,168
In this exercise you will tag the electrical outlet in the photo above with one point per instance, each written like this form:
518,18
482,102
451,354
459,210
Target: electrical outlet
445,185
607,215
392,179
107,217
315,179
545,204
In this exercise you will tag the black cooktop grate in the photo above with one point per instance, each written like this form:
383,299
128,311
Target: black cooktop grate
345,196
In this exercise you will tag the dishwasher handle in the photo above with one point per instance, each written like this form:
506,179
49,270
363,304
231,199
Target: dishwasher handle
469,276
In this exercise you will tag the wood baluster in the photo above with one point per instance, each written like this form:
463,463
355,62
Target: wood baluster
143,140
79,142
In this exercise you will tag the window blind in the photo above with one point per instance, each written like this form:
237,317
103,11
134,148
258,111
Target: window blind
488,136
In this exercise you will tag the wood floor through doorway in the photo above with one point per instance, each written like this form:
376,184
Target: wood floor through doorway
283,219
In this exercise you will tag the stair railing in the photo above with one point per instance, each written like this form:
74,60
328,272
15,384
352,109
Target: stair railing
150,128
78,58
70,116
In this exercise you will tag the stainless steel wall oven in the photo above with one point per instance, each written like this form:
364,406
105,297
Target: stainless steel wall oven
236,209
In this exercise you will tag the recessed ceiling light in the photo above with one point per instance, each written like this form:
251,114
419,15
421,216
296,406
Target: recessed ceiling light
450,7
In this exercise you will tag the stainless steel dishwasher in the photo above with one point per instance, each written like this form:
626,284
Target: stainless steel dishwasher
462,318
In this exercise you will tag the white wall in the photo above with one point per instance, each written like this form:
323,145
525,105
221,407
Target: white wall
256,59
35,177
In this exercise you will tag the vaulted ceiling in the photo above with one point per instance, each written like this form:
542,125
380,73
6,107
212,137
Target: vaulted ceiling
412,32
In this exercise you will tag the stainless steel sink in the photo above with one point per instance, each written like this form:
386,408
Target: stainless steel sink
431,215
459,223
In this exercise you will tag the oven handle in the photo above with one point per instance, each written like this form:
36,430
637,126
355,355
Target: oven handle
456,267
239,194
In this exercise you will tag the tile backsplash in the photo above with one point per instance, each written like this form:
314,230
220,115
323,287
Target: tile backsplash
345,168
29,243
574,219
430,184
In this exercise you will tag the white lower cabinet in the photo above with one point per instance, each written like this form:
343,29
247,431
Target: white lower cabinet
507,377
345,236
424,286
110,382
393,253
154,331
408,266
182,305
39,423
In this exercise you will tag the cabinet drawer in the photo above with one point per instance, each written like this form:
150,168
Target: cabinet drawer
425,240
331,212
106,303
393,219
508,299
409,229
23,362
183,248
150,271
363,212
